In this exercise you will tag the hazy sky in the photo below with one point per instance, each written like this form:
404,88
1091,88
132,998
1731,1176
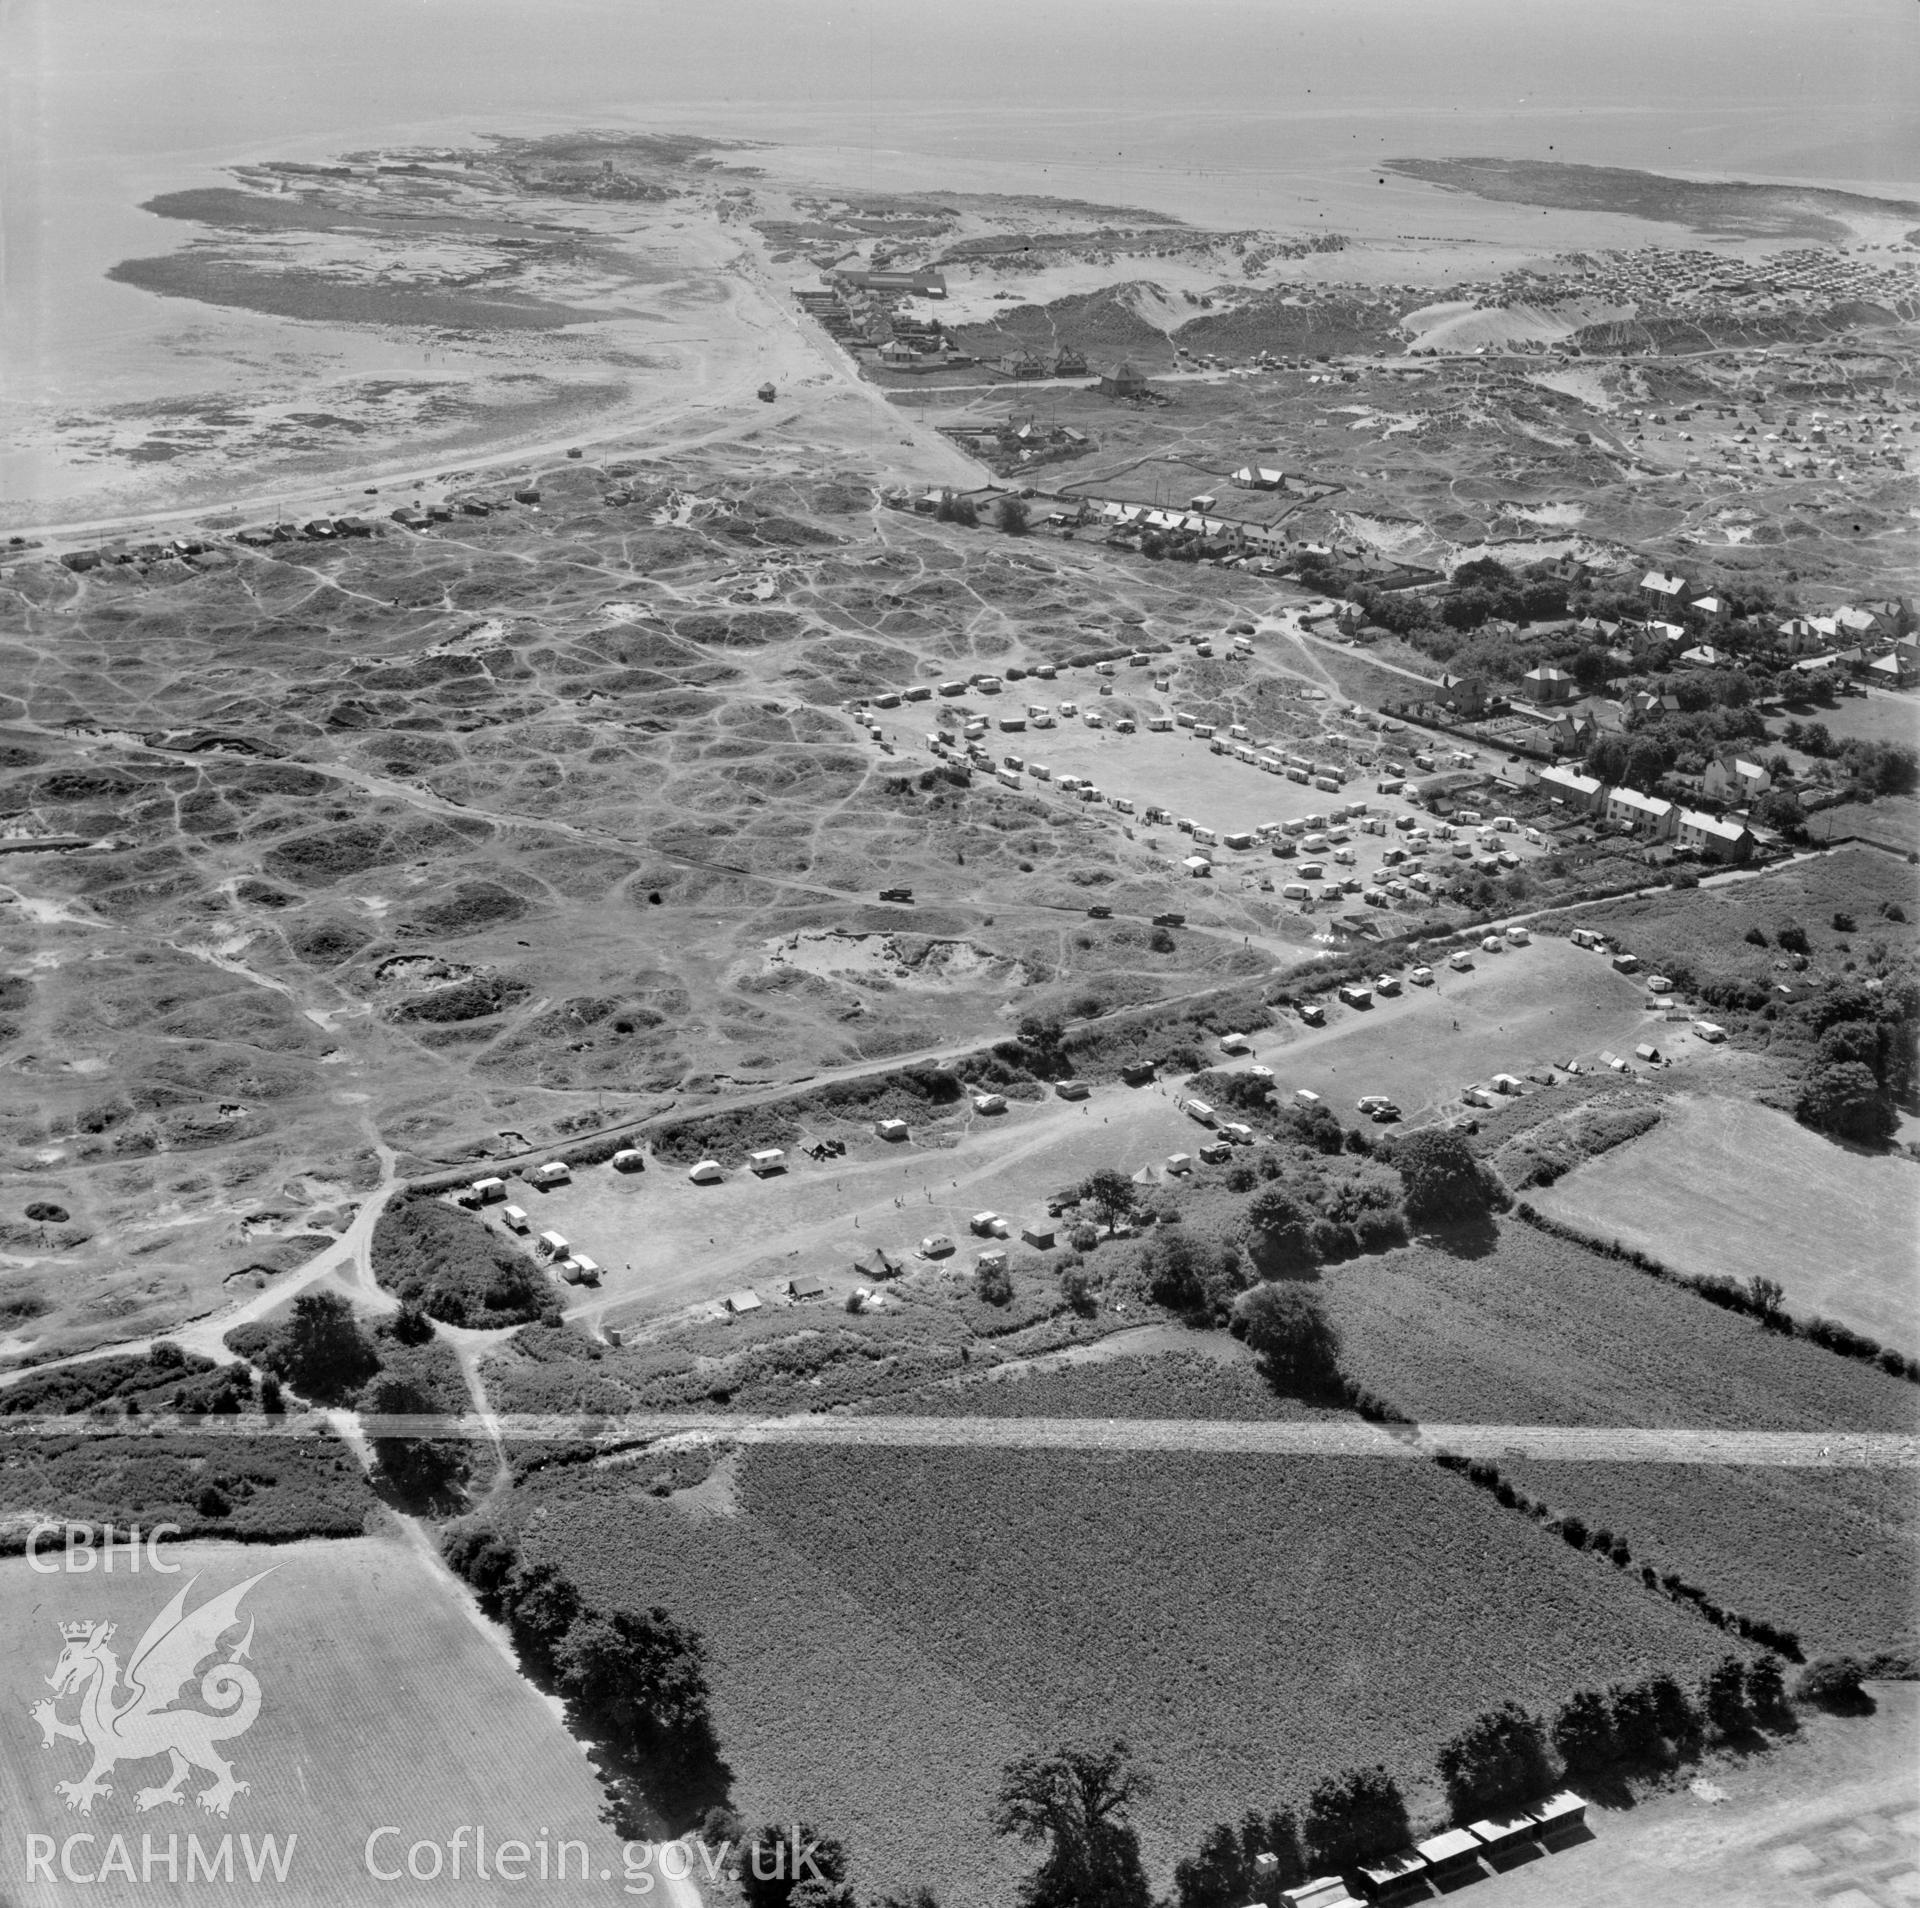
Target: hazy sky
149,76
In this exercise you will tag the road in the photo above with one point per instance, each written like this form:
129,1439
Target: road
1200,1437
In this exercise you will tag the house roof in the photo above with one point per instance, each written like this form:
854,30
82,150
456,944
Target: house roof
1546,673
1571,778
1662,585
1646,804
1695,819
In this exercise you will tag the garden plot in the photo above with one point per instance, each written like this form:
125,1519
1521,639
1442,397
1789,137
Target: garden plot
384,1701
1730,1188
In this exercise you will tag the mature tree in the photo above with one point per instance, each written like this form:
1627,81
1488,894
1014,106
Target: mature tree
1354,1817
1848,1102
1013,516
323,1353
1497,1761
1112,1195
1230,1872
1583,1733
1767,1692
420,1471
1834,1682
1444,1182
1723,1695
540,1604
1278,1226
784,1858
1634,1715
1189,1273
1680,1720
1076,1802
484,1559
639,1677
1299,1349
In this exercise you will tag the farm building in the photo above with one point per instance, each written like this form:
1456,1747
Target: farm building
1450,1852
1558,1812
1500,1834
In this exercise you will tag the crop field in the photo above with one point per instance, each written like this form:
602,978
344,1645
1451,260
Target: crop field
1724,1186
889,1627
384,1701
1536,1330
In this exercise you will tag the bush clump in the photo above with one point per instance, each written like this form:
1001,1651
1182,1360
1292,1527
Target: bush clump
448,1265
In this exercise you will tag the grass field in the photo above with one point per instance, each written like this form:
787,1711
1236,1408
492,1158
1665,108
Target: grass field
1724,1186
383,1701
888,1627
1705,929
1541,1331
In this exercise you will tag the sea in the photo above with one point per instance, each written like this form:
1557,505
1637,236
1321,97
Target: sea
1202,109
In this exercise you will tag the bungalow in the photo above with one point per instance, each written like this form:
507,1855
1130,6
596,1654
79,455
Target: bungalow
1705,656
1547,684
1710,610
1582,792
1731,778
1650,815
1714,839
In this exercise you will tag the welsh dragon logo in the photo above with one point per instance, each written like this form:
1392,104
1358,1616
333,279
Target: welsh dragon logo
139,1722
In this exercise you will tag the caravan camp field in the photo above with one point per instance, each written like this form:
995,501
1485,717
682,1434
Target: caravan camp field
1728,1187
384,1702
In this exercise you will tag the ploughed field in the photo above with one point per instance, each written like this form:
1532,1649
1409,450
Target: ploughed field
381,1705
